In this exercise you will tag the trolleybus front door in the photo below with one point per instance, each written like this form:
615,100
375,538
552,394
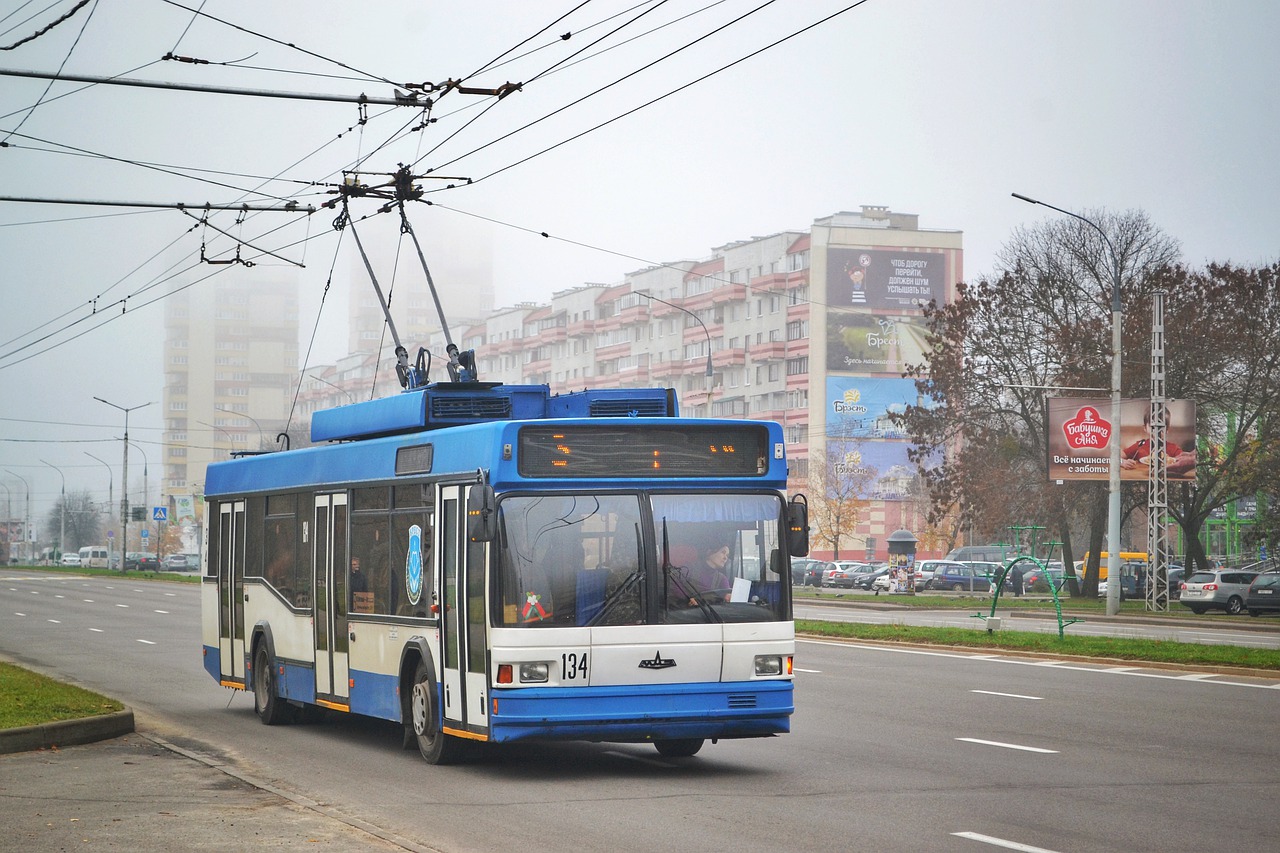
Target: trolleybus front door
230,567
462,585
329,556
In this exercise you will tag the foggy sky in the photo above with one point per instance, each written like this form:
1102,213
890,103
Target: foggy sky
931,107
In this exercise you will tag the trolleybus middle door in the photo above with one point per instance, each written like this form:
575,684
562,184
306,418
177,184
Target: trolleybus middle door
229,548
329,559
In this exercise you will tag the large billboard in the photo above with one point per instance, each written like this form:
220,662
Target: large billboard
874,343
885,279
1081,432
860,406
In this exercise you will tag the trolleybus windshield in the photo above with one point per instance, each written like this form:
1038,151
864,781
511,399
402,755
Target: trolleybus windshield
633,559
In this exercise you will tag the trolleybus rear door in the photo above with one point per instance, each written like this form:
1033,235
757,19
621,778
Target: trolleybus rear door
230,566
329,556
462,586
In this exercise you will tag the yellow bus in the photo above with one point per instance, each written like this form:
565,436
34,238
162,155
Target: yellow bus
1125,557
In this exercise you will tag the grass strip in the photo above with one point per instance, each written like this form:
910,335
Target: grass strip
28,699
1118,648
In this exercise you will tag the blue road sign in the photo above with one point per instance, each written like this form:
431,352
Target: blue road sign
159,513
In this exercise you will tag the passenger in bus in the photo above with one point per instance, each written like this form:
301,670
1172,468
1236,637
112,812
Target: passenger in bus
361,598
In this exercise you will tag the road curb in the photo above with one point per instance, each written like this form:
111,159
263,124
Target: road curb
66,732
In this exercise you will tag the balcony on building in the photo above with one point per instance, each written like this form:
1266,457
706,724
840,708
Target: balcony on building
769,351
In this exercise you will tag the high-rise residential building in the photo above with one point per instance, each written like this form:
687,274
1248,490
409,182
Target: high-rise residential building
231,365
810,328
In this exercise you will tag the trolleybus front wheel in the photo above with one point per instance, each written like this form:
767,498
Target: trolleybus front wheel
679,747
436,746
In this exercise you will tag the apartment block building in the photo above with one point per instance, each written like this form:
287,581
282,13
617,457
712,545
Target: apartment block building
231,364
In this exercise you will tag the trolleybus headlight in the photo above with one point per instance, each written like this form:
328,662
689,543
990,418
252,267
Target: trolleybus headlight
769,665
533,672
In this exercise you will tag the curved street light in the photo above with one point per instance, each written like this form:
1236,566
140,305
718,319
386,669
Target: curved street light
331,385
1113,465
710,369
62,528
27,524
262,436
111,498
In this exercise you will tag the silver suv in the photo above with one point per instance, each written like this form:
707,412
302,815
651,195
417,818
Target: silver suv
1220,589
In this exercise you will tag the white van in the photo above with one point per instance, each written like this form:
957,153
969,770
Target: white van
94,556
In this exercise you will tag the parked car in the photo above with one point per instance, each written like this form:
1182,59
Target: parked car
844,574
1038,580
869,578
1264,594
960,578
148,563
991,570
131,560
804,572
925,568
1220,589
70,559
175,562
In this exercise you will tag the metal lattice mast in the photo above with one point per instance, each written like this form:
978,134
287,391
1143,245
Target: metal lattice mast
1157,591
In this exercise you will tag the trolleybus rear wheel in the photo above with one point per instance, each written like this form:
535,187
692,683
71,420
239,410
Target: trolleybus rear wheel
271,709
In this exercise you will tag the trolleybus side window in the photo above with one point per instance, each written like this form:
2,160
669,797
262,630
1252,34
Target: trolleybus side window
280,551
380,535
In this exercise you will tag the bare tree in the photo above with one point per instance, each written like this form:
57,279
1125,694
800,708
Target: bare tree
83,521
839,483
1039,327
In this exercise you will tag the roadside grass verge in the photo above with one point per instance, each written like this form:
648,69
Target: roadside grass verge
1116,648
178,577
30,699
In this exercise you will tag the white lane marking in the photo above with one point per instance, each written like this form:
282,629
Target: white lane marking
1007,745
798,669
34,591
122,605
88,601
54,621
1195,676
19,614
166,612
1002,842
171,594
1216,679
97,630
1009,695
148,642
59,596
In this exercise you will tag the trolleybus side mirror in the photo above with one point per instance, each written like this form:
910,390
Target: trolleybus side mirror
482,516
798,526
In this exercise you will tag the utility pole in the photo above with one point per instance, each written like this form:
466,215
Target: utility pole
124,479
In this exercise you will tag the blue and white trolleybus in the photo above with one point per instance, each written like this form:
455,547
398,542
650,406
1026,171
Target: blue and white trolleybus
490,563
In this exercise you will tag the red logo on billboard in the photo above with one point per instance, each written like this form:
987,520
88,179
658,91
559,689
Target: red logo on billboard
1087,430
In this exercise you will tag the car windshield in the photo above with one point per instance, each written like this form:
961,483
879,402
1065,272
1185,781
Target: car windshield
587,560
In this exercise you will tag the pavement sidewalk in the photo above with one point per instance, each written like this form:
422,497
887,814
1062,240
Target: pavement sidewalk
136,793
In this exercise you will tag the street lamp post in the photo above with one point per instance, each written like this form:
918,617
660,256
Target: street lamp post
1114,580
124,480
230,438
146,485
331,385
710,369
8,517
262,436
62,524
26,527
111,499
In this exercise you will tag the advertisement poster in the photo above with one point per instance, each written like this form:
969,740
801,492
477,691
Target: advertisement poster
859,406
871,343
885,279
894,475
1081,432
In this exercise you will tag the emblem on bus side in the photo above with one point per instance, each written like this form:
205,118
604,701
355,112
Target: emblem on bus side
657,662
413,565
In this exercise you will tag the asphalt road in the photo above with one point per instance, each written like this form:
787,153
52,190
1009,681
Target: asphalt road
891,749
